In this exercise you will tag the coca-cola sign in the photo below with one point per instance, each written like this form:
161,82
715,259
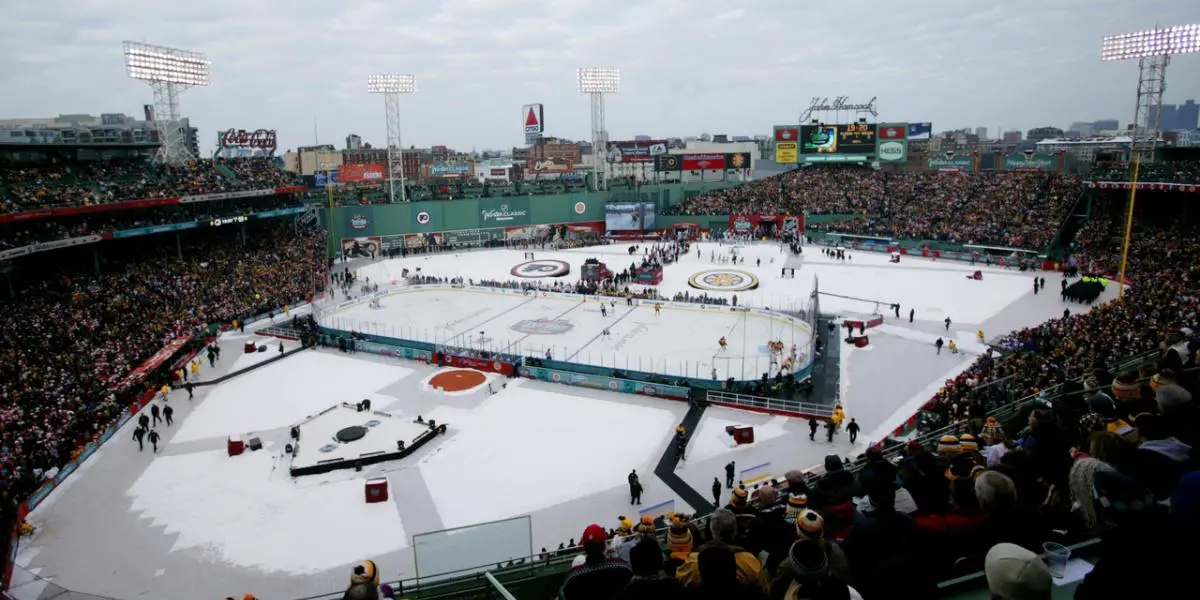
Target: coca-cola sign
240,138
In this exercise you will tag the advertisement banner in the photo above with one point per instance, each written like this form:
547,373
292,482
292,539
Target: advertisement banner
497,172
703,162
667,163
471,237
46,213
550,165
155,361
951,162
470,362
503,212
128,233
635,152
259,139
920,131
1030,161
230,195
893,131
600,382
324,178
787,153
451,169
533,119
852,138
786,224
892,151
370,173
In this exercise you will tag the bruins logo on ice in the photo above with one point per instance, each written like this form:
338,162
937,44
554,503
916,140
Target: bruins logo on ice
541,268
723,280
543,326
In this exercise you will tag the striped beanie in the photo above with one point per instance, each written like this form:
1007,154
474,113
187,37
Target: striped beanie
795,505
967,443
810,525
679,538
739,496
948,445
365,572
992,432
646,525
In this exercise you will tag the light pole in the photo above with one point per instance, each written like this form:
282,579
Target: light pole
169,71
1153,48
392,86
596,82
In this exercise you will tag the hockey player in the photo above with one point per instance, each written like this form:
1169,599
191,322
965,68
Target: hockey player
952,347
947,323
939,343
164,391
722,343
603,311
657,308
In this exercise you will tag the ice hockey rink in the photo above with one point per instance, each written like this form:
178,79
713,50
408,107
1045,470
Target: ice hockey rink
680,339
192,522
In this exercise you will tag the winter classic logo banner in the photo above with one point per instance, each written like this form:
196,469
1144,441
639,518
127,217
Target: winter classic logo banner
503,213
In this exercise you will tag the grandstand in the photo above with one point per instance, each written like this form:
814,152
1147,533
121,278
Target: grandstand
106,264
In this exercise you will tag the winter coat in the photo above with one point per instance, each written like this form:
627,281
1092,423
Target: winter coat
749,570
600,580
652,588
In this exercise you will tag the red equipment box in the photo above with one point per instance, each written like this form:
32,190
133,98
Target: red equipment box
376,490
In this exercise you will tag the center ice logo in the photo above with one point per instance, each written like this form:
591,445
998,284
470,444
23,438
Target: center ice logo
541,268
543,326
723,280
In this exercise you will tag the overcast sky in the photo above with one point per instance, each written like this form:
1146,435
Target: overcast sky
687,66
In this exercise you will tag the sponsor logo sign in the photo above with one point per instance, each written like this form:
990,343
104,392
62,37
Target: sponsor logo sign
703,162
497,172
240,138
787,133
423,218
534,269
667,162
823,104
359,222
357,173
502,214
451,169
723,280
636,152
580,208
951,162
551,165
532,117
787,153
1030,161
893,131
892,151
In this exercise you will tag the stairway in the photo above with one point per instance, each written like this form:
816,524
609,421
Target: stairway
665,470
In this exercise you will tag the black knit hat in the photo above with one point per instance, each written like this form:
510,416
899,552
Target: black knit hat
808,560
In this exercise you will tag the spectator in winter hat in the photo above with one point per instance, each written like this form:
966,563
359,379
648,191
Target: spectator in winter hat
679,539
598,576
649,581
795,505
948,445
1162,458
723,526
808,574
811,526
967,443
361,591
992,432
1014,573
365,572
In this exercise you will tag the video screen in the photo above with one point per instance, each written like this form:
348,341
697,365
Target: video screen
629,216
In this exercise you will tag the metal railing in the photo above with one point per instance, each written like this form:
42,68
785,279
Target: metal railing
795,407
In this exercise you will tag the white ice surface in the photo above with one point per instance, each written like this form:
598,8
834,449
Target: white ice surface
238,510
935,289
524,449
284,393
710,440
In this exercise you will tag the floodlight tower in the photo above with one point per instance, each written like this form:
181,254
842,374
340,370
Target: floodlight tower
596,82
1153,48
392,86
169,71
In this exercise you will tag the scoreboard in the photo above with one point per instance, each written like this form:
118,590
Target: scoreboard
852,138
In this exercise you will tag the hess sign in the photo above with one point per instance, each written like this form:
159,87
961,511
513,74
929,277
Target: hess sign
240,138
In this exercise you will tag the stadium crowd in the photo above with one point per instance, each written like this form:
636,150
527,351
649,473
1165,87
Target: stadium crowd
62,183
71,340
1160,172
999,209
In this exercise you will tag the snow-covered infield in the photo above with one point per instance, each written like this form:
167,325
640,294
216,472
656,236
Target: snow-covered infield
193,522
